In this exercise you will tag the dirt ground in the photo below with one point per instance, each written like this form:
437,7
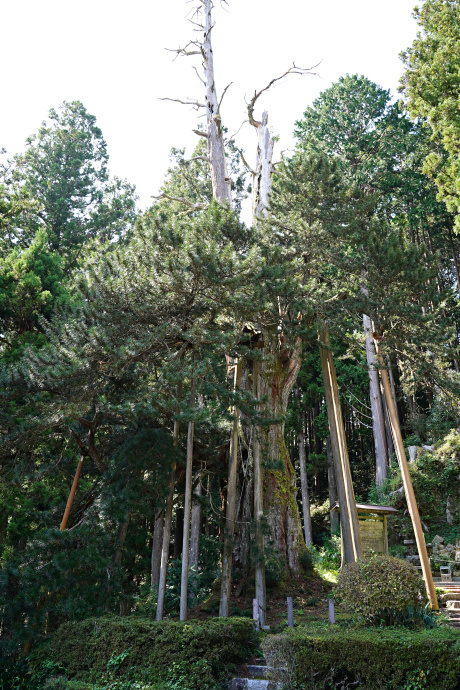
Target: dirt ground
310,595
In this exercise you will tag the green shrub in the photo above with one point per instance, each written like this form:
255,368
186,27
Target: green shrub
380,589
384,659
139,649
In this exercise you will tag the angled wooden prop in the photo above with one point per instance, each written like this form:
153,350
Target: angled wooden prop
407,483
351,537
72,494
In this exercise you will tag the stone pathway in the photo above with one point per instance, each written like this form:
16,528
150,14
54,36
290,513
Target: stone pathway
255,680
451,597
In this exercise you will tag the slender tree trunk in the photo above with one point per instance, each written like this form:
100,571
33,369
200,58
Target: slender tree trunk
229,530
195,537
121,537
378,420
167,526
304,488
187,512
157,541
332,487
178,530
351,537
258,509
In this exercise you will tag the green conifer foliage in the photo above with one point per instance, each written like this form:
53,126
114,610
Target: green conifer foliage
431,84
30,287
64,170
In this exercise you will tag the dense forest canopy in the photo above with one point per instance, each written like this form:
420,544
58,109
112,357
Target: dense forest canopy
154,350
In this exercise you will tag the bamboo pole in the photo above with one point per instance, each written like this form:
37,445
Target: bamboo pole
351,537
231,504
407,483
72,494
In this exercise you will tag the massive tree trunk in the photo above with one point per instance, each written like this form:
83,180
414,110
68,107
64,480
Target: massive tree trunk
278,374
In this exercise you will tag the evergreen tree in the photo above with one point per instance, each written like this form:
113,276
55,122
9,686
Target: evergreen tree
430,84
64,170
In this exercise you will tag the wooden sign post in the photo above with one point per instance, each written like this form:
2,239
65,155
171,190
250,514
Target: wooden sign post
407,483
290,612
331,611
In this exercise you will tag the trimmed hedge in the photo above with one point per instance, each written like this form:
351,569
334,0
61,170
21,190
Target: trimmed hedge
380,589
377,659
166,650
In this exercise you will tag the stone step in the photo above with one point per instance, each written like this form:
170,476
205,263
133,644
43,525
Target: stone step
248,684
453,605
257,670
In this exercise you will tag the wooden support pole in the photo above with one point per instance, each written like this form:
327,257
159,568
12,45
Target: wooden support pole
72,494
351,537
407,483
227,556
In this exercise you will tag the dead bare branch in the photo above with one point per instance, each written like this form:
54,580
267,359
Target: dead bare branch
198,75
194,104
292,70
223,94
245,163
236,133
200,133
183,52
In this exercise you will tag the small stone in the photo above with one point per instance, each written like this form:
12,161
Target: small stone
438,540
412,453
455,604
450,548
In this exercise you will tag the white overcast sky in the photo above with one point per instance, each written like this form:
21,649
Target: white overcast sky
111,56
